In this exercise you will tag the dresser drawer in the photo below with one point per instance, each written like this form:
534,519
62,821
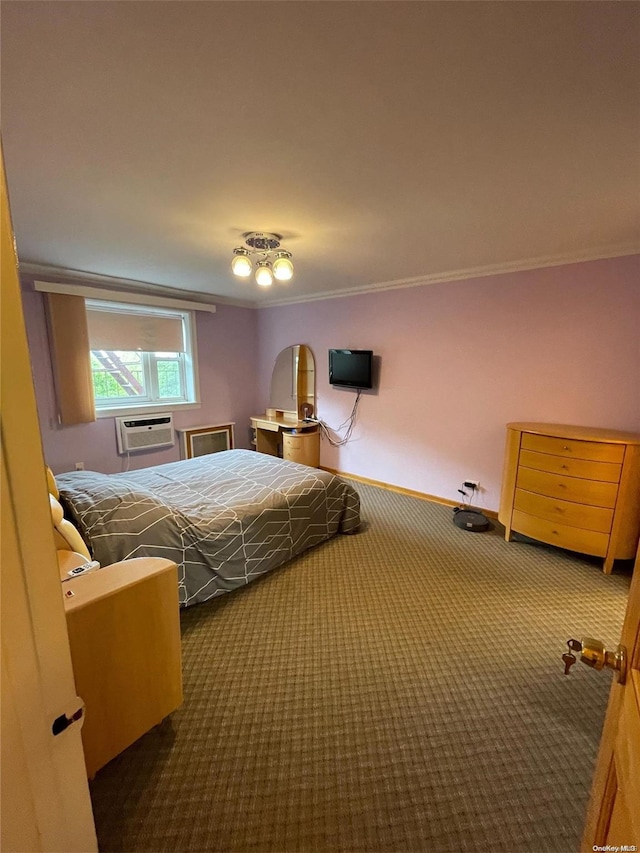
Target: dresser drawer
591,492
566,512
561,535
605,471
573,449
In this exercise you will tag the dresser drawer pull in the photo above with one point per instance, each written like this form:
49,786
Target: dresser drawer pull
562,485
558,509
566,467
565,447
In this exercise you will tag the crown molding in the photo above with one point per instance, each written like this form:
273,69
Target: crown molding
133,286
126,285
597,254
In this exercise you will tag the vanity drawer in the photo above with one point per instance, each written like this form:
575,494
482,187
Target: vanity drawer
561,535
573,448
595,518
588,470
303,447
591,492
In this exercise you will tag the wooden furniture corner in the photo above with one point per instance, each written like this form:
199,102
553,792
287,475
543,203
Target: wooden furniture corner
124,632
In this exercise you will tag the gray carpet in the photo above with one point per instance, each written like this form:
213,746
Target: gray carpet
396,690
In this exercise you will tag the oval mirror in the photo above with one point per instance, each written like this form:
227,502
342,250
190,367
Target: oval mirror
293,382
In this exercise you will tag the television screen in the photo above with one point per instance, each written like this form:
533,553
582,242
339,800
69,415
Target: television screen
350,368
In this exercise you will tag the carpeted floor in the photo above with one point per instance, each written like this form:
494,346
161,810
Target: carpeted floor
397,690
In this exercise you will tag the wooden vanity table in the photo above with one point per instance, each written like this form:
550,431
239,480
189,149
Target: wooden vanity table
282,430
292,439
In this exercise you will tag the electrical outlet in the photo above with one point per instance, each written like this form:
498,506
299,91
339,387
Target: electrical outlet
472,484
79,466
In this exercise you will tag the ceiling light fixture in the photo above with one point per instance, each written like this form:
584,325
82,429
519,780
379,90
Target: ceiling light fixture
264,276
282,266
241,264
272,261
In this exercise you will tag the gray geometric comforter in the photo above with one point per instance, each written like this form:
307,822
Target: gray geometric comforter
225,518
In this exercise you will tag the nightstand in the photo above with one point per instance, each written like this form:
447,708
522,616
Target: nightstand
124,632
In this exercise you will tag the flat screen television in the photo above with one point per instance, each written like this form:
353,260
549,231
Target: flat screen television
350,368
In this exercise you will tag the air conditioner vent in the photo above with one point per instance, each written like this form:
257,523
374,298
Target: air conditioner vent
144,433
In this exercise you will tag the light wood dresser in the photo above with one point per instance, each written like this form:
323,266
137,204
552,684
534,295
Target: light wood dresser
574,487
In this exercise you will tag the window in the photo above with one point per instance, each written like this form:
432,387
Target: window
140,356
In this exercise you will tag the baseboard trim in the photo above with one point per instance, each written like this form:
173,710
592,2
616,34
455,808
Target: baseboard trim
423,496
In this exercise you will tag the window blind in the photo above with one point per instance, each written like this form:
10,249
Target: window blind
127,331
67,326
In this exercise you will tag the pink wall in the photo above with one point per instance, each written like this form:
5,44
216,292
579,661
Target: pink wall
459,360
227,354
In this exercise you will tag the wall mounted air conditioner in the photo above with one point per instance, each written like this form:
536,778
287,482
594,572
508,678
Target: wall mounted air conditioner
144,432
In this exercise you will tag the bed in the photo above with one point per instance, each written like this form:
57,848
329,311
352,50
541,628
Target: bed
225,518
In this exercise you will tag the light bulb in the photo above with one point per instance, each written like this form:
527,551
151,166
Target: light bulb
283,268
263,274
241,264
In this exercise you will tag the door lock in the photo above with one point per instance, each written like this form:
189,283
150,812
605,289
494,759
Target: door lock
594,654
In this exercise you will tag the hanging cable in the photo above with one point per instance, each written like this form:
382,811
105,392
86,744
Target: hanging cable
349,423
469,497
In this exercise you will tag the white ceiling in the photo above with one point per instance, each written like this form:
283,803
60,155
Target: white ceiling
388,142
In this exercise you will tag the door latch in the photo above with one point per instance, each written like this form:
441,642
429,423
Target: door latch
62,723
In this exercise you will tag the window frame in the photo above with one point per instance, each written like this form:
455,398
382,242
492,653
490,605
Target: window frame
189,362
